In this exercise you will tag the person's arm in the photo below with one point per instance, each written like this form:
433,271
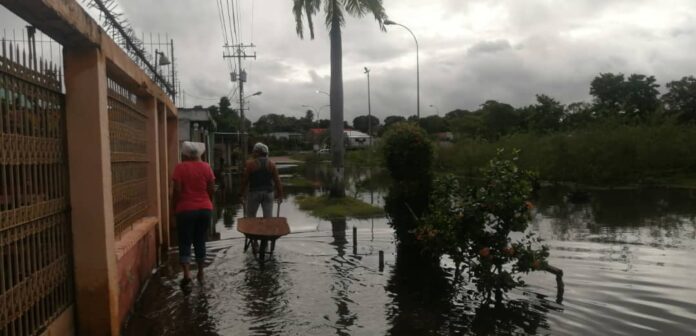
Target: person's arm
276,182
211,183
176,187
245,182
176,193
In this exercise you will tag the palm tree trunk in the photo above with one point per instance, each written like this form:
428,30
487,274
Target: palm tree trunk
336,101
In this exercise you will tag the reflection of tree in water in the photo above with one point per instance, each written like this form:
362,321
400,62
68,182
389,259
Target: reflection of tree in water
425,302
265,296
342,269
658,213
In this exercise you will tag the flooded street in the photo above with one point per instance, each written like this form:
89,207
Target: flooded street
628,258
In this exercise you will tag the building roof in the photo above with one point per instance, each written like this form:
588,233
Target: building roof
195,114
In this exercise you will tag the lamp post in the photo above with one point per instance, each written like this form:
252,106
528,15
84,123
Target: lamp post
392,23
369,106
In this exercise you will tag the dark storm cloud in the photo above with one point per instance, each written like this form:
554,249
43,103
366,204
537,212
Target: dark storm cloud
489,47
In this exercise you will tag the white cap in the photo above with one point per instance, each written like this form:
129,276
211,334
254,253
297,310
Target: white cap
261,148
192,149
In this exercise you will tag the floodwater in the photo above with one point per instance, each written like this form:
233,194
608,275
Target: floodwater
628,258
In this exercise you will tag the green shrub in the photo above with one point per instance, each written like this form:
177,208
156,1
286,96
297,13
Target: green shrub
408,156
473,225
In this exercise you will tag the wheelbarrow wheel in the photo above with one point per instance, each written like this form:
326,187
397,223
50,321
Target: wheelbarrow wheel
262,250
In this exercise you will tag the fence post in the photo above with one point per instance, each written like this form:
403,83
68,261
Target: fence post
89,154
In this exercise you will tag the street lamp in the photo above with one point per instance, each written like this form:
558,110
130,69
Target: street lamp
162,60
324,92
436,109
258,93
392,23
369,106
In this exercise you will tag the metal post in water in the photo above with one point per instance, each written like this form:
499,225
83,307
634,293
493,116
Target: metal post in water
355,240
381,260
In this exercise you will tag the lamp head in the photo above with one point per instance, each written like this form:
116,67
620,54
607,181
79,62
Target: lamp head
367,70
389,22
163,60
258,93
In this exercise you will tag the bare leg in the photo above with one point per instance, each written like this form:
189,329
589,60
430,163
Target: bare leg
187,270
199,275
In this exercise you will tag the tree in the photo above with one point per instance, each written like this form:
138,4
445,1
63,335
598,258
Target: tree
608,92
546,115
641,96
577,115
361,123
433,124
226,118
335,11
499,118
635,97
456,114
680,100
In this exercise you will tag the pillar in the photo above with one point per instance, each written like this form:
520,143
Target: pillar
89,153
153,166
173,159
164,176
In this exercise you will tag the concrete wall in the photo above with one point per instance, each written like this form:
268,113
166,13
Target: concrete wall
109,272
136,255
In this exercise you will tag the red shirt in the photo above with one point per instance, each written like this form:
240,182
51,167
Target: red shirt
194,177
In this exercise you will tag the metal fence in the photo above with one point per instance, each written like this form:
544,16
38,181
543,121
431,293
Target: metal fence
36,283
127,132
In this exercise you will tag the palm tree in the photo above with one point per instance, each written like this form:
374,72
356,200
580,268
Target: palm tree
335,11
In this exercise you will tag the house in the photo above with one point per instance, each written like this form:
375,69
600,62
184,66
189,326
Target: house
283,135
356,139
352,138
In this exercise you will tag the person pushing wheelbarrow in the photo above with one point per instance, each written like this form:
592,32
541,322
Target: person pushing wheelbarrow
259,187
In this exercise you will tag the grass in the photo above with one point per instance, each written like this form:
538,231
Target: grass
297,181
329,208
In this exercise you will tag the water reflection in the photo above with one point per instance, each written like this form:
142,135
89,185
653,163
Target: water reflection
341,269
627,257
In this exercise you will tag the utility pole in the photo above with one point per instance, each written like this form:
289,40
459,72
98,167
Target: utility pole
369,107
239,52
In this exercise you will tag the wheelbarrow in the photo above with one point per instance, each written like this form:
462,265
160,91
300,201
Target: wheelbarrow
262,231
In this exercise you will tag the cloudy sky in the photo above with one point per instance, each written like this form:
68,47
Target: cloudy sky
471,51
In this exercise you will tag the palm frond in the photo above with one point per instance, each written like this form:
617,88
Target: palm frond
303,8
334,12
297,10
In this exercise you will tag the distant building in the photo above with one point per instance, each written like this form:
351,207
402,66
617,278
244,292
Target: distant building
196,124
284,135
352,138
444,136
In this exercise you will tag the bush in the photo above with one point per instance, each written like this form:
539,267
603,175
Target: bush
408,156
408,152
473,225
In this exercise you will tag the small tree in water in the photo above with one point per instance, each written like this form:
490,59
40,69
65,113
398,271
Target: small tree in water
484,227
408,156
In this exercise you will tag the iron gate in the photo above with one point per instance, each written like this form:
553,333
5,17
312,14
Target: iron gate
36,283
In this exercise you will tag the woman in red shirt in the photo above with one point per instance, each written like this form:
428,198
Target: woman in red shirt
194,184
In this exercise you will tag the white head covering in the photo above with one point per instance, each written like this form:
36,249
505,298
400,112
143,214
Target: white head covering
261,148
193,149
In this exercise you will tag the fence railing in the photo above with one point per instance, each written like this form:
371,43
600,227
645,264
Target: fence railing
127,127
35,237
